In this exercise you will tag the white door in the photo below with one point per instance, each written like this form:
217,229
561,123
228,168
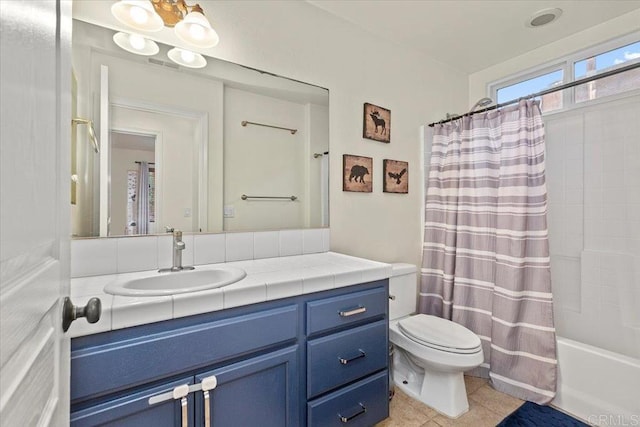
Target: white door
35,125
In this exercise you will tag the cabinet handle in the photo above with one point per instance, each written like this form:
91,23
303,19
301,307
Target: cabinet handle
181,393
185,412
208,383
353,311
348,418
351,359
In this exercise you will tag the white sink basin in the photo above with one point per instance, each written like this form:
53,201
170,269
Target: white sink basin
176,283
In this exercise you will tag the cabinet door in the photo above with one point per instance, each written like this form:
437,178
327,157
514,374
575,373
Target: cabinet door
261,391
133,410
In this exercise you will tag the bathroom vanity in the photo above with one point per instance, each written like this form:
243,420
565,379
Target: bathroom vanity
319,358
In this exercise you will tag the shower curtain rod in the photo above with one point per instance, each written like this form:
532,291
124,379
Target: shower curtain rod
544,92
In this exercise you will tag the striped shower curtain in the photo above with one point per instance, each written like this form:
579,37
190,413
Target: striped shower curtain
486,254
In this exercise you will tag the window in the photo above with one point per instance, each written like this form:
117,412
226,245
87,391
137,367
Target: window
606,61
590,62
549,102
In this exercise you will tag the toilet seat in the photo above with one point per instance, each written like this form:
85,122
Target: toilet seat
440,334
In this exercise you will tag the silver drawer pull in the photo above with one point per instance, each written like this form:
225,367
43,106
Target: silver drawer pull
346,419
351,359
353,311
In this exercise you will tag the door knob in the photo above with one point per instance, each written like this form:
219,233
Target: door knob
71,312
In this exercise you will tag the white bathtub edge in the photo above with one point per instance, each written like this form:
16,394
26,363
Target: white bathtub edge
597,385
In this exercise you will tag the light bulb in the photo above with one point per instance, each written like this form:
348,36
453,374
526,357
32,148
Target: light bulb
187,56
138,14
137,41
196,31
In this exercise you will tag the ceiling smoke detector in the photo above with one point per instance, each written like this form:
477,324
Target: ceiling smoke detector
543,17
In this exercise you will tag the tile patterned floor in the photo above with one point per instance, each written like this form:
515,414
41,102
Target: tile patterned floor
487,407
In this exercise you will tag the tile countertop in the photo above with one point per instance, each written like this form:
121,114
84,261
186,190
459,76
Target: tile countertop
267,279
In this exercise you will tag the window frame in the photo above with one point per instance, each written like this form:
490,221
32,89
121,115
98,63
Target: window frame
567,65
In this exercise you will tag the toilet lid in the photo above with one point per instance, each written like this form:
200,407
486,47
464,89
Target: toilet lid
441,334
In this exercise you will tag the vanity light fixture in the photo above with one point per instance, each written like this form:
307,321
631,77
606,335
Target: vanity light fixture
135,43
186,58
189,22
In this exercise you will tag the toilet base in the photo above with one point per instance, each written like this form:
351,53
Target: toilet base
443,391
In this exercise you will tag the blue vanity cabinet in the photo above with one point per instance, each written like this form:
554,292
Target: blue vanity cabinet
252,348
305,360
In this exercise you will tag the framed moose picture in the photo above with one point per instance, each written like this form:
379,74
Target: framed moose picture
357,172
396,176
376,123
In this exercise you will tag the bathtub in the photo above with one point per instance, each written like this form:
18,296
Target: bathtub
599,386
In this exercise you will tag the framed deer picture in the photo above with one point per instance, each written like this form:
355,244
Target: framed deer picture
396,176
376,124
357,173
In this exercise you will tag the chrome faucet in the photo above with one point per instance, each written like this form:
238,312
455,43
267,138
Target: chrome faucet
178,246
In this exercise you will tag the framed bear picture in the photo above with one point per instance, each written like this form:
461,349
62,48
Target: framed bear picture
357,173
376,123
396,176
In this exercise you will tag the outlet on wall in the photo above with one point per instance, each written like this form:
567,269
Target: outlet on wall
229,211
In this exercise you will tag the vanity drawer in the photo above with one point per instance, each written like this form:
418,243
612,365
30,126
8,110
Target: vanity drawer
344,310
364,403
152,356
346,356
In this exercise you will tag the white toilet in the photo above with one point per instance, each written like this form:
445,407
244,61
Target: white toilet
430,353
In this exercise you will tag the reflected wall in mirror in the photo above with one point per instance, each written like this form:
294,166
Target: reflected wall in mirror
173,151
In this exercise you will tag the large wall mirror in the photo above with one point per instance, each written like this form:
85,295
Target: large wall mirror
219,148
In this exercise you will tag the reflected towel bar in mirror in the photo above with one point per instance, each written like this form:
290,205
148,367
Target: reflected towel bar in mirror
292,198
245,123
92,132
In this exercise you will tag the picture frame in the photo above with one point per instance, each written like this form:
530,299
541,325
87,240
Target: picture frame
357,173
376,123
395,176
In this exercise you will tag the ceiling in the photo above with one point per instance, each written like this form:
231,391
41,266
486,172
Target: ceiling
472,35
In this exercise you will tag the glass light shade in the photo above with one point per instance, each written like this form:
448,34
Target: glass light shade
186,58
138,14
135,43
195,29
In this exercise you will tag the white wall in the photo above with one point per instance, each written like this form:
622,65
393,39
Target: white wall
608,30
297,40
593,179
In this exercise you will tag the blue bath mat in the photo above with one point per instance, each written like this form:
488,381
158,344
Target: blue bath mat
532,415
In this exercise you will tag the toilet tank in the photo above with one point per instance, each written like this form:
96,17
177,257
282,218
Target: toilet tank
403,291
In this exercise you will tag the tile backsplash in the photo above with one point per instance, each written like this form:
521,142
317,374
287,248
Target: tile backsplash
93,257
